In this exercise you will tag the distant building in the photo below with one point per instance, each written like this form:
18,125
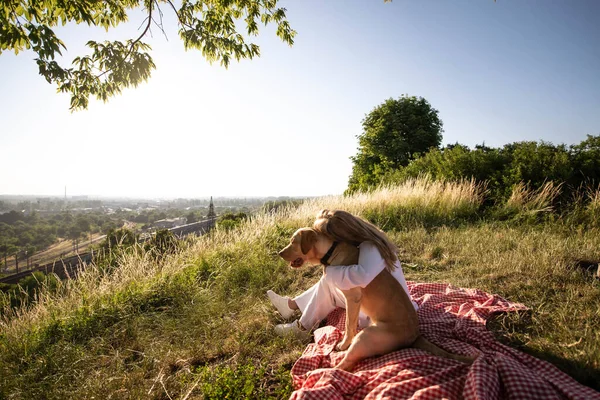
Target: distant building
169,223
211,209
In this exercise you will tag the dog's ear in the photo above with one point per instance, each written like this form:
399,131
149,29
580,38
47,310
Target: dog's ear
308,238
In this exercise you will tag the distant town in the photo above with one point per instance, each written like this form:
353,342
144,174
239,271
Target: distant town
39,229
47,205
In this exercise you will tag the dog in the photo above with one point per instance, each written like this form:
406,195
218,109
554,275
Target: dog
394,321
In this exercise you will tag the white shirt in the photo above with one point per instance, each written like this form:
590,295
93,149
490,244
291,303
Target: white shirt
370,264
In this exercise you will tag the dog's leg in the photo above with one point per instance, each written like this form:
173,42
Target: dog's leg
372,341
353,298
424,344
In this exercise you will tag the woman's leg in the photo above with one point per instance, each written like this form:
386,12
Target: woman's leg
317,302
292,304
283,304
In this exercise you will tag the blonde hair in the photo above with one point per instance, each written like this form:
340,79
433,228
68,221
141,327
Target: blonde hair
342,226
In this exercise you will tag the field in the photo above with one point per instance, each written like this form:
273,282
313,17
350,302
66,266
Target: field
197,324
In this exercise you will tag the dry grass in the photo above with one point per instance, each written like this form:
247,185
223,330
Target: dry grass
532,201
538,267
594,203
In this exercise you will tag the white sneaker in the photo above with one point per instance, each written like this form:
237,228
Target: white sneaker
292,327
281,304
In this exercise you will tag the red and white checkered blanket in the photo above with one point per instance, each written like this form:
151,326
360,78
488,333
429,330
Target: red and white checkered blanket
454,319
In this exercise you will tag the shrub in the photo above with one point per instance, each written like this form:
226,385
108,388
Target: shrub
513,167
22,294
163,242
230,220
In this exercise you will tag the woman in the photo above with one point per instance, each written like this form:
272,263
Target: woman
376,252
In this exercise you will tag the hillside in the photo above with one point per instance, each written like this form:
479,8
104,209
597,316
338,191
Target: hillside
197,324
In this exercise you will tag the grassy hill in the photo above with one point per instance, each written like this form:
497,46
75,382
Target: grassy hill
197,324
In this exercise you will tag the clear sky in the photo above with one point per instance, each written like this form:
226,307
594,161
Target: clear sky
286,124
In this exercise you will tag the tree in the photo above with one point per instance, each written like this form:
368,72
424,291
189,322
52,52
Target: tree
394,133
206,25
29,251
4,248
586,161
230,220
11,217
83,223
74,233
191,217
537,163
15,250
119,237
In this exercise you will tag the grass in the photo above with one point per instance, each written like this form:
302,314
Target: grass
537,267
197,324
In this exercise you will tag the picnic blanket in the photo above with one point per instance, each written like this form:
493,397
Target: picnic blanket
454,319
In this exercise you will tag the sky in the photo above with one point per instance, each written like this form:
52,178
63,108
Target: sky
286,124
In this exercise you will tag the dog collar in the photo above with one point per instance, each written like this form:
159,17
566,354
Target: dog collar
325,259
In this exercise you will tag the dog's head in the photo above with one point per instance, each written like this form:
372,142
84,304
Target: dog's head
300,248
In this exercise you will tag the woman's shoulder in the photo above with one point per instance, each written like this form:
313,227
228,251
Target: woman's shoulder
367,244
370,247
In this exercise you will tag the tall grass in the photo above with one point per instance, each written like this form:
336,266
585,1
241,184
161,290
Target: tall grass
415,202
526,203
585,209
593,207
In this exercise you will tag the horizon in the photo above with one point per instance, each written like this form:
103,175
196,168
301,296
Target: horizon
497,72
14,197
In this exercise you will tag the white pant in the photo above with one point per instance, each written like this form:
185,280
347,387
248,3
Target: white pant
321,299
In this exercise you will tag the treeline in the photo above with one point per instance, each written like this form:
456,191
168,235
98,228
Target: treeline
149,217
48,204
401,140
576,168
24,234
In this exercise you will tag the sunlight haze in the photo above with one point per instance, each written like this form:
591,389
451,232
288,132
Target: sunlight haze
285,124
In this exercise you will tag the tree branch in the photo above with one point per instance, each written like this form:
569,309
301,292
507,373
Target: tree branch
160,25
178,17
149,19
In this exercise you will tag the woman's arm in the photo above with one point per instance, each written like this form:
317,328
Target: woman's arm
370,264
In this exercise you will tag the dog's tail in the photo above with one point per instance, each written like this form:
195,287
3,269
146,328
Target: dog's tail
424,344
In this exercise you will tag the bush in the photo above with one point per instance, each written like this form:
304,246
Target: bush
230,220
535,164
586,162
513,167
116,243
163,242
24,292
